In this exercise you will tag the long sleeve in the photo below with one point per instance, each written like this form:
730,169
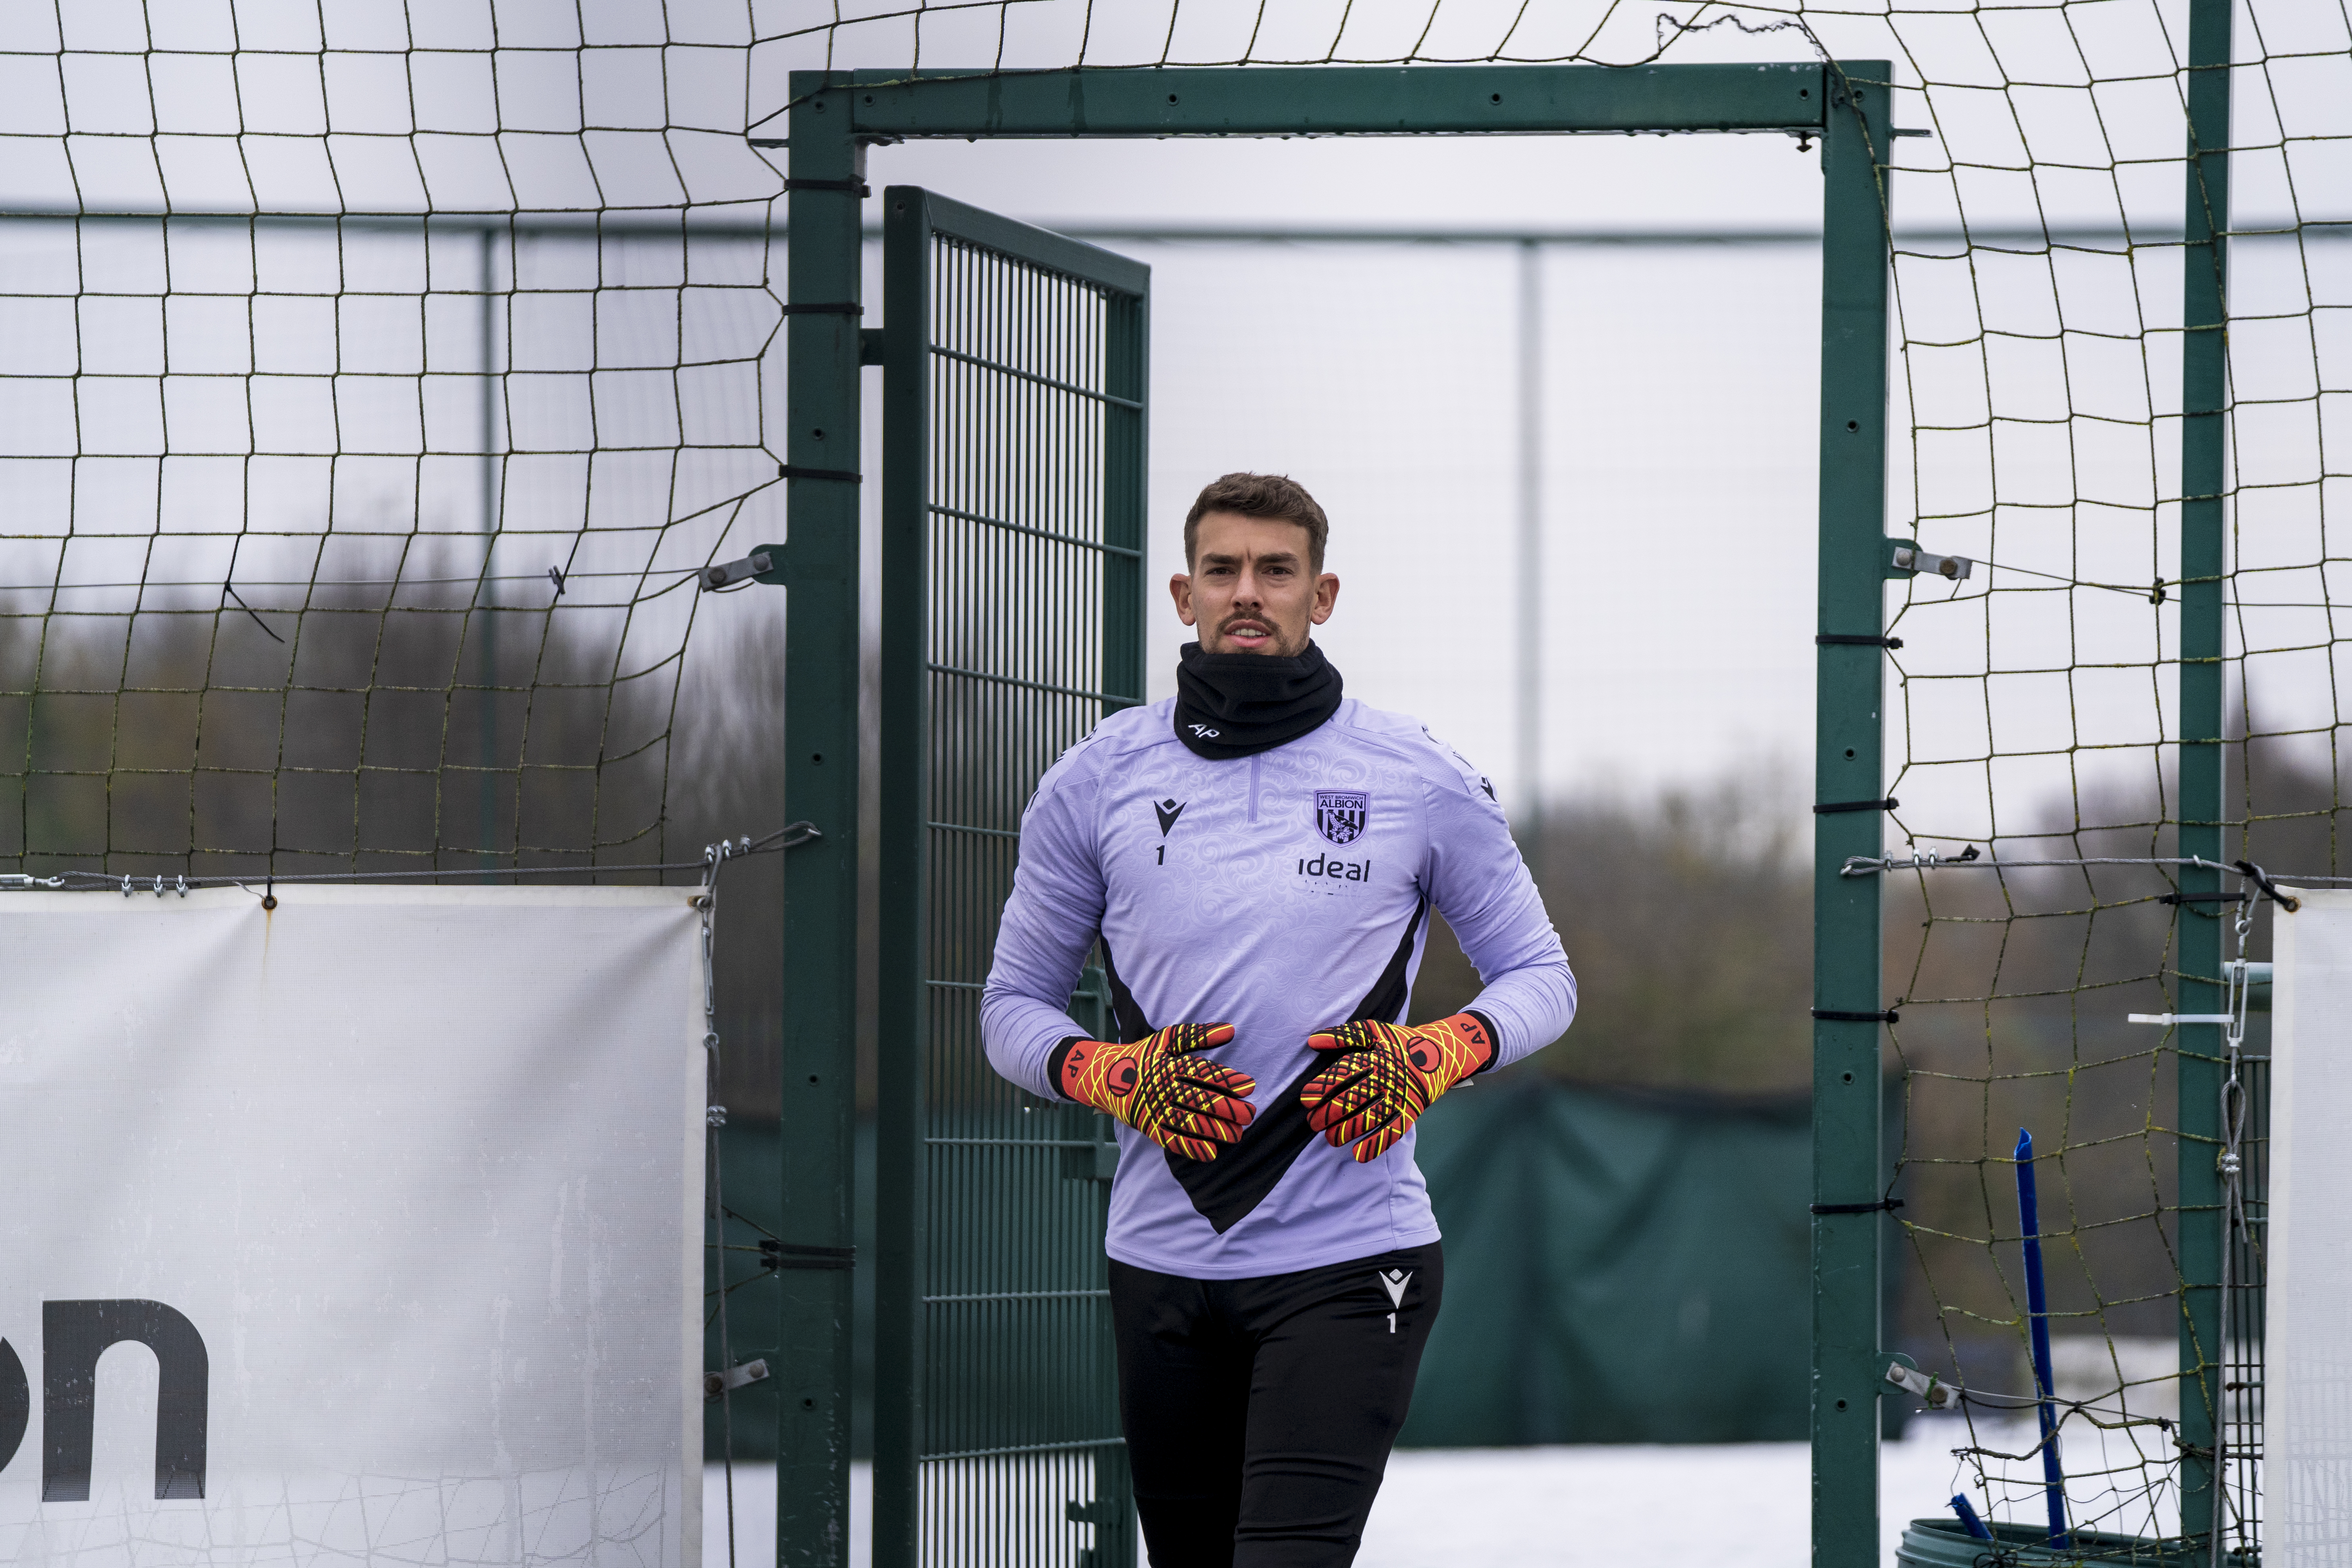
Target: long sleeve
1050,923
1482,887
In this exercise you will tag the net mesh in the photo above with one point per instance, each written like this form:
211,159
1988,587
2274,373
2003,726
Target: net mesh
2038,259
353,508
349,510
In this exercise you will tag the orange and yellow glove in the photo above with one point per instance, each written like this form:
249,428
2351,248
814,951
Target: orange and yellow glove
1157,1086
1382,1077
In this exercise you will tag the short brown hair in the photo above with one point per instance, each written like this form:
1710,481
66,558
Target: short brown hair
1260,495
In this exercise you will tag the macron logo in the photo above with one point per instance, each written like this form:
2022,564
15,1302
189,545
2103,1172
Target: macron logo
1168,811
1394,1280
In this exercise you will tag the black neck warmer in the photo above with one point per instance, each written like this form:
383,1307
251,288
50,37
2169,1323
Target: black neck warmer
1239,704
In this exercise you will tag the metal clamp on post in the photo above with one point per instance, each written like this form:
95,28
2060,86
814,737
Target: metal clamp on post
1901,1375
1917,861
2247,985
1908,559
715,1383
732,572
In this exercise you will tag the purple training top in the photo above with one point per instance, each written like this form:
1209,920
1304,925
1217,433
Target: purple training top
1281,893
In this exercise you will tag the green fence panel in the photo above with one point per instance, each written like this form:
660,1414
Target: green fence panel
1013,383
1616,1270
1621,1267
1569,1212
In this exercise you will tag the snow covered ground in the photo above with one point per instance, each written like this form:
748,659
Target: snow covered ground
1729,1505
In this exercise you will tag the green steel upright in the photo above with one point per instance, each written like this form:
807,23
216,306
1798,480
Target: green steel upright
1849,780
819,1046
2204,525
1847,106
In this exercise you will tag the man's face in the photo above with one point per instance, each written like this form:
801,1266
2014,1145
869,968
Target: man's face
1250,590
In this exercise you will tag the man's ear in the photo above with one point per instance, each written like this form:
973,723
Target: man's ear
1180,588
1326,594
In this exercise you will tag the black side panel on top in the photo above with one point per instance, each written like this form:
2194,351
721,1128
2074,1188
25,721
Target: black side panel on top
1227,1188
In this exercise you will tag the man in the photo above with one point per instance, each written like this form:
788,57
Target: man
1259,860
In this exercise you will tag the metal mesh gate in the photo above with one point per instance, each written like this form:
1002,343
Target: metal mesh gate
1013,469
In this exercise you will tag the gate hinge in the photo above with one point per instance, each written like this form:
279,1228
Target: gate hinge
869,345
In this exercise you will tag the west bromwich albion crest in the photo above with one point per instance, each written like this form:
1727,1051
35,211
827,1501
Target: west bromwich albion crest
1339,814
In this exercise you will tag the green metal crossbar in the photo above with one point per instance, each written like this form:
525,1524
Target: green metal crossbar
831,117
1316,101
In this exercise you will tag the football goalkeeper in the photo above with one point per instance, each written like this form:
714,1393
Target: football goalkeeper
1259,860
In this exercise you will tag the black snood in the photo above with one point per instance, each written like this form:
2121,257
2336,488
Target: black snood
1238,704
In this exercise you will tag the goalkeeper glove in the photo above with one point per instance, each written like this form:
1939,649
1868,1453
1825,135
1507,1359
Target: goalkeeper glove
1382,1077
1180,1102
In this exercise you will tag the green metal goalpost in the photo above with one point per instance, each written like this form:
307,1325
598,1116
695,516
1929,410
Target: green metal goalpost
833,117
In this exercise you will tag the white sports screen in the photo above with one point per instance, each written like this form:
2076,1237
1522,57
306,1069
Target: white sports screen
2307,1439
363,1229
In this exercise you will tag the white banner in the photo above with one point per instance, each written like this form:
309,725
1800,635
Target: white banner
399,1188
2307,1410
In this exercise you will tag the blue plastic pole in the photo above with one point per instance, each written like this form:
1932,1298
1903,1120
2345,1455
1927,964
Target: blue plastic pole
1968,1519
2037,1306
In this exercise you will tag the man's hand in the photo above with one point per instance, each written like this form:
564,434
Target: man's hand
1157,1086
1382,1077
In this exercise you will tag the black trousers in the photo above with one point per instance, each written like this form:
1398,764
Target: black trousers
1259,1413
